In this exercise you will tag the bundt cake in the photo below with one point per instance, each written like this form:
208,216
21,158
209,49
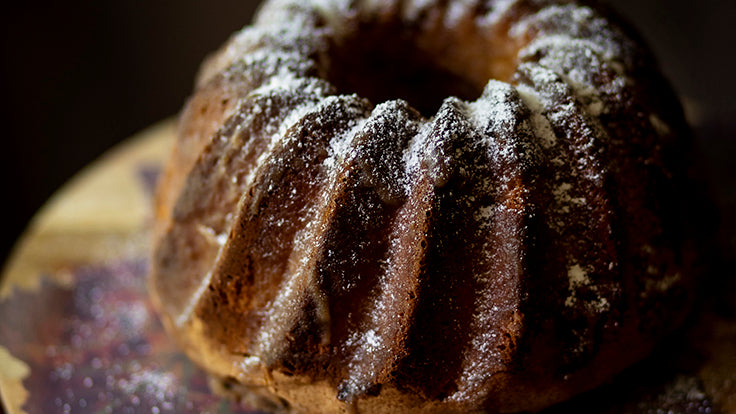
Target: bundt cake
424,206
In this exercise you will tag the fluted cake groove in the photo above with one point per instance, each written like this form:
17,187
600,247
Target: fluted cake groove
333,251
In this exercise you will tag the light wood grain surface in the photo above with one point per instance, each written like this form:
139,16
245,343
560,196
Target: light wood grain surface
99,216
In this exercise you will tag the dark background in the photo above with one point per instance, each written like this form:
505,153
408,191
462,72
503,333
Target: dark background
78,77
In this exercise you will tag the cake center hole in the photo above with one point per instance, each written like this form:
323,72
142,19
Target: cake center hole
386,61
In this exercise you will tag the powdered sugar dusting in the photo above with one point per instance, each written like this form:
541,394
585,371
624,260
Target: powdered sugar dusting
581,23
412,9
498,10
456,12
578,278
543,129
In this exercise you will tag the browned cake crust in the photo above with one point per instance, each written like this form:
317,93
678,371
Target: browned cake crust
333,248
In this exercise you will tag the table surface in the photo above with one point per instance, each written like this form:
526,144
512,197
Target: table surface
78,332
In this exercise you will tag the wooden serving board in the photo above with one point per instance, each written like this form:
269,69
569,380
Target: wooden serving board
78,333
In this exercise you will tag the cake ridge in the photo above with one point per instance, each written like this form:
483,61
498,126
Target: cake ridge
373,361
250,205
581,142
212,166
507,140
301,276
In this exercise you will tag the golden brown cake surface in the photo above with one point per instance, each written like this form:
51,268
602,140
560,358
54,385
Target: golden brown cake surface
437,206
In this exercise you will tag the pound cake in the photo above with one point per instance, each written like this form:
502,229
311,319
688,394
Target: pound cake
392,206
